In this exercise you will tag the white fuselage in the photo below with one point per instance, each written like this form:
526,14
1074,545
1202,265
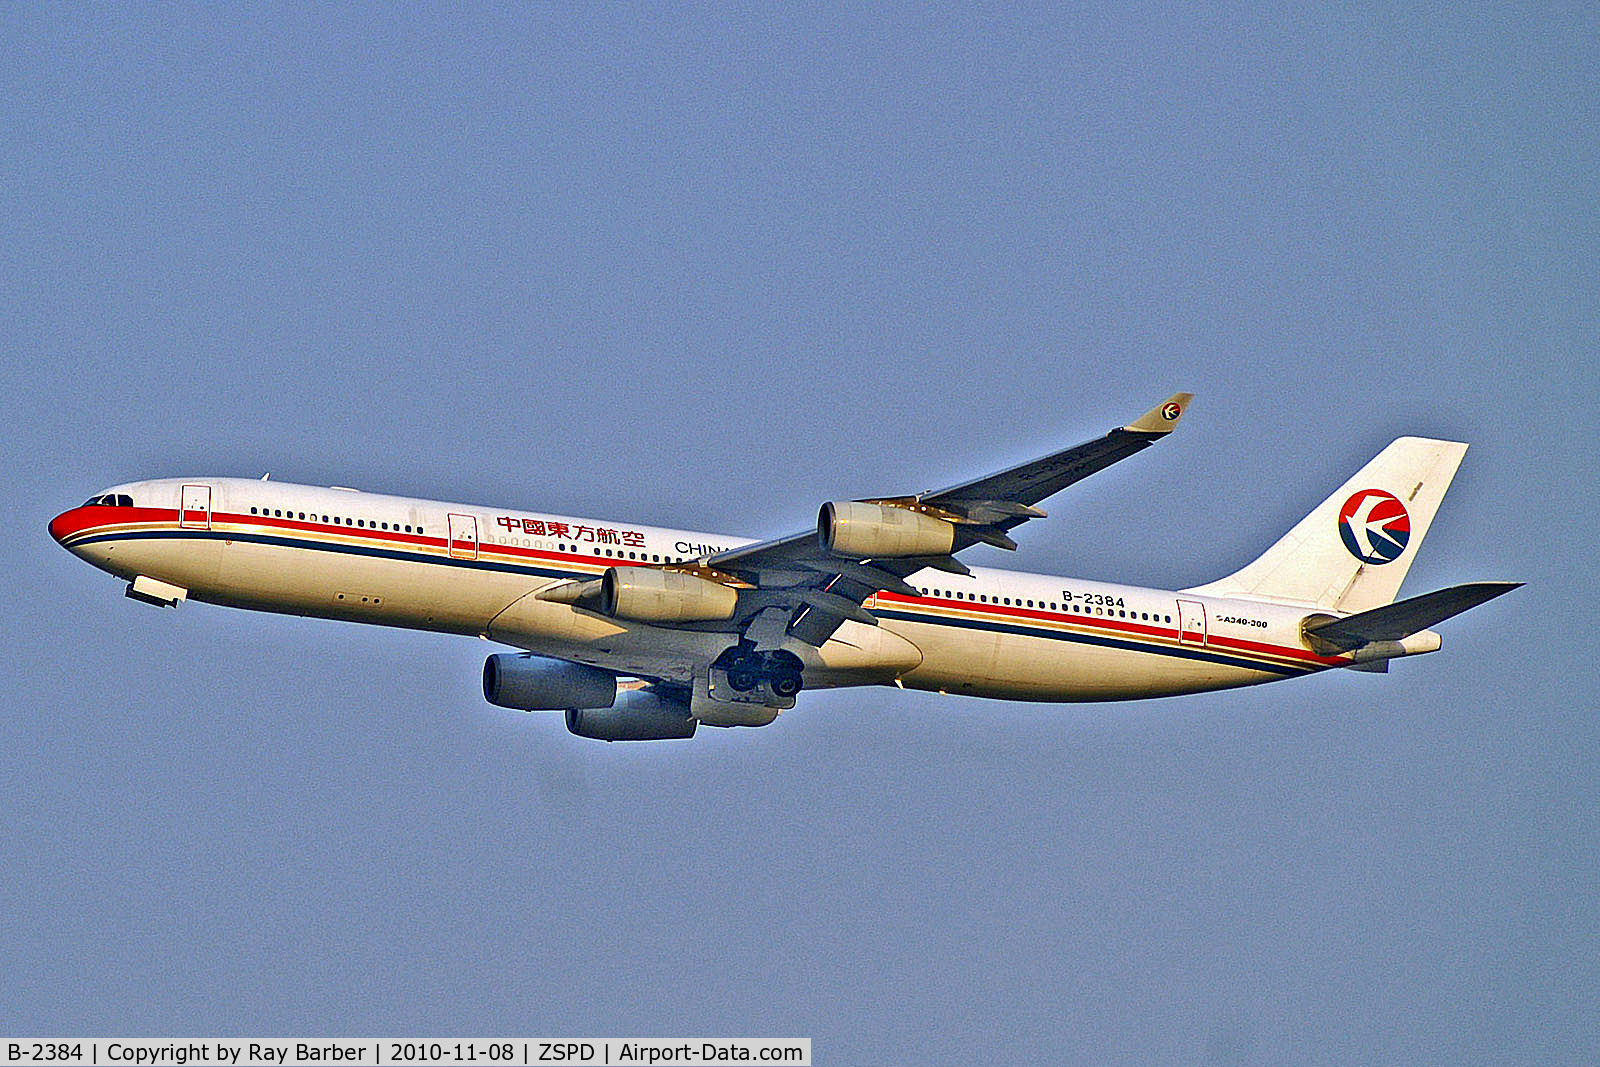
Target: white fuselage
464,569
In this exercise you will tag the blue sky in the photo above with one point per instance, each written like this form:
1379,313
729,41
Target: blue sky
706,267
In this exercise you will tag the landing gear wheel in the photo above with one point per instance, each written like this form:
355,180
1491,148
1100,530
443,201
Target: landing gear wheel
785,684
744,676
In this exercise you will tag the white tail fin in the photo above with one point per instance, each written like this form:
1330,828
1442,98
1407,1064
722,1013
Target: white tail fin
1353,551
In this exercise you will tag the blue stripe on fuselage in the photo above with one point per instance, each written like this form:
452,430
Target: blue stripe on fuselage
549,571
1181,651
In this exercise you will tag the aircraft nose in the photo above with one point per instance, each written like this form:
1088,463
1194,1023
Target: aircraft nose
66,524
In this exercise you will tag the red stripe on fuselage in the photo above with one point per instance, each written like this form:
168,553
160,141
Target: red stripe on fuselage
69,524
89,517
1116,625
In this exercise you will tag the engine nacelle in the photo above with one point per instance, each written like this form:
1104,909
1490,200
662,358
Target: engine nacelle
851,528
649,595
533,683
639,715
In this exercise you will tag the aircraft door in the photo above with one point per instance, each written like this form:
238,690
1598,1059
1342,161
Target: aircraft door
1191,622
463,537
194,507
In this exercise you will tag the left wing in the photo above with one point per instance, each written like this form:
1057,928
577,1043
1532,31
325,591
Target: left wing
806,584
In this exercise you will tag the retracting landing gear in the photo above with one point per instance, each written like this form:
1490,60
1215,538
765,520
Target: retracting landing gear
746,669
746,687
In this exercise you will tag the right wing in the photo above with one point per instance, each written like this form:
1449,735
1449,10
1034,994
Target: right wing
819,587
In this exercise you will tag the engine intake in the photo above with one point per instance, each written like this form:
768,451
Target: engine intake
533,683
640,715
851,528
645,594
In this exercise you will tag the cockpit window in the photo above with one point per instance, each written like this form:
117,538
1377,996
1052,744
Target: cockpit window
109,500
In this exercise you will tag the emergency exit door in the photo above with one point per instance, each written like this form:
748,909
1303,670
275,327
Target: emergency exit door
194,507
1191,622
463,537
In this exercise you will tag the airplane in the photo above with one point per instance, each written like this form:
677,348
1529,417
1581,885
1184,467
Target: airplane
642,633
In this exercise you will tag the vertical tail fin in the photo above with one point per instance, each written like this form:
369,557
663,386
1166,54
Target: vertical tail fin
1353,551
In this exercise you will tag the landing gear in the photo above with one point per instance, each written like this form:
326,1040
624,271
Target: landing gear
747,669
786,683
745,675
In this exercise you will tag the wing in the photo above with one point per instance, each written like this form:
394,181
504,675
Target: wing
800,586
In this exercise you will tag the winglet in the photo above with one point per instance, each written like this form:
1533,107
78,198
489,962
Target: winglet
1163,418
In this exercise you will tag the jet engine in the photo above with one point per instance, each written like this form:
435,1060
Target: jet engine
533,683
870,530
640,715
645,594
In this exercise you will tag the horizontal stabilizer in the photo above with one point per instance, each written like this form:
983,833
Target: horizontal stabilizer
1397,621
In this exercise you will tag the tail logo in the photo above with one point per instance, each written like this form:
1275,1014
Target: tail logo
1374,526
1171,411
